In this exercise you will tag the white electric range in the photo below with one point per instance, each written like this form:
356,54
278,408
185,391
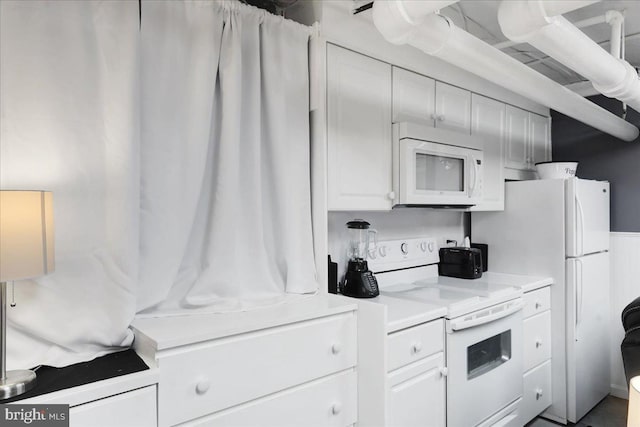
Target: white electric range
483,329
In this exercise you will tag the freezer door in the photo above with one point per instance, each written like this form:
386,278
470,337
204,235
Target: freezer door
587,216
588,375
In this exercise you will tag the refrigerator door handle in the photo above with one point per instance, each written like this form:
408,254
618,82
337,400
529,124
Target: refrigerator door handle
578,297
580,227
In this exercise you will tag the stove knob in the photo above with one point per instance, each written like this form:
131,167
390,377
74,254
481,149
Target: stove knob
431,246
382,250
404,248
423,246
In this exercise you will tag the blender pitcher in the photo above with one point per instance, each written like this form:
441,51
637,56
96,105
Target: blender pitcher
359,282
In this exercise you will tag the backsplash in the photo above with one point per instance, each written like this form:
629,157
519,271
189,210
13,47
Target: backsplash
396,224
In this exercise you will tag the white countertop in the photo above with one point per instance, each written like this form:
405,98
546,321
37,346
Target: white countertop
162,333
526,283
402,313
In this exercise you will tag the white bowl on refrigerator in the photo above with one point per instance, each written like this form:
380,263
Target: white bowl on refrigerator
556,170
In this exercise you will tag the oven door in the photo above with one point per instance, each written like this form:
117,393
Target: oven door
438,174
484,358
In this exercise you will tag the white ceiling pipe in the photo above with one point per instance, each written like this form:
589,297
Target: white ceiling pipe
414,11
439,37
615,19
526,20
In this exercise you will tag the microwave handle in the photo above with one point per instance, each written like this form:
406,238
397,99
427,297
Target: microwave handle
472,187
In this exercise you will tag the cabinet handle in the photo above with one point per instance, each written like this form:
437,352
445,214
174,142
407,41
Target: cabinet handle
417,347
202,387
538,305
538,394
441,118
336,408
444,371
538,343
433,116
391,195
336,348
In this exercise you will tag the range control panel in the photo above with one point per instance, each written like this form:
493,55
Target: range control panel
396,254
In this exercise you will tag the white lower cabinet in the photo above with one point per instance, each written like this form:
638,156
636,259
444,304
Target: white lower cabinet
237,371
136,408
416,394
327,402
536,395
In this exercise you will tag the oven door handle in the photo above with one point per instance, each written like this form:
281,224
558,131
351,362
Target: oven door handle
460,324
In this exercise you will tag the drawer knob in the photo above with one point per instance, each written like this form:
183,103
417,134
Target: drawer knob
538,343
538,394
336,348
444,371
391,195
203,386
538,305
417,347
336,408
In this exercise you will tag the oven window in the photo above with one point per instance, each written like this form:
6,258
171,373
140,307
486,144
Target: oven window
439,173
488,354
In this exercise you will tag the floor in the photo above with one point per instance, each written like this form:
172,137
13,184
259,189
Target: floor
611,412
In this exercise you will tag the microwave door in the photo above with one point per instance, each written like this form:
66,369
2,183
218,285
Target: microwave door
433,174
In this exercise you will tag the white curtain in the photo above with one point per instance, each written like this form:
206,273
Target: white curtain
226,210
178,155
69,111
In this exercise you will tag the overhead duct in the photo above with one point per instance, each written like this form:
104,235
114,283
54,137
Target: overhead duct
532,21
438,36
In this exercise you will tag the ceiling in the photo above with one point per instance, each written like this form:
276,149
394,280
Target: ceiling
480,18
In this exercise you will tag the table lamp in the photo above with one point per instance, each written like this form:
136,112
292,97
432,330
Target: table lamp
633,418
26,251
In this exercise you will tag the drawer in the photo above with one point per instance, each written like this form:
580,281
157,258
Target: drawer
200,380
331,401
537,339
536,302
135,408
536,395
415,343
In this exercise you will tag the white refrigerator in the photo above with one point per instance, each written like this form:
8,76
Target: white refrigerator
560,228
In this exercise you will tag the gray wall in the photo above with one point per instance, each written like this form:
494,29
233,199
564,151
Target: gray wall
604,157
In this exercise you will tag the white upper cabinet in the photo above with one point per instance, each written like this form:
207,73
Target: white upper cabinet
540,138
488,121
517,155
358,131
453,108
413,97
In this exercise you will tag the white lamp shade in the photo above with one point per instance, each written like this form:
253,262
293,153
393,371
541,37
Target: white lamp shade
633,418
26,234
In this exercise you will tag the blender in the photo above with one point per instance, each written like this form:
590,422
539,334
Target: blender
359,282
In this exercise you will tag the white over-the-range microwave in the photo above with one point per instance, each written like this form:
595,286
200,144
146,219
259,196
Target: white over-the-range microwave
435,167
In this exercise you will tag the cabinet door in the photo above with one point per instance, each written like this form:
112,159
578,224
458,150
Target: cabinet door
487,121
518,154
413,97
453,108
416,394
359,131
539,136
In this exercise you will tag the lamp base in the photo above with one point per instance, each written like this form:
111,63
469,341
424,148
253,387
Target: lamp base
17,382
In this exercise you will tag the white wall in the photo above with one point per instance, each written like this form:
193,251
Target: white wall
625,287
396,224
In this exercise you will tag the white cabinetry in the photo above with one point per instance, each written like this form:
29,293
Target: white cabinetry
528,142
358,131
413,97
539,136
135,408
517,139
453,108
488,122
420,99
536,395
280,366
